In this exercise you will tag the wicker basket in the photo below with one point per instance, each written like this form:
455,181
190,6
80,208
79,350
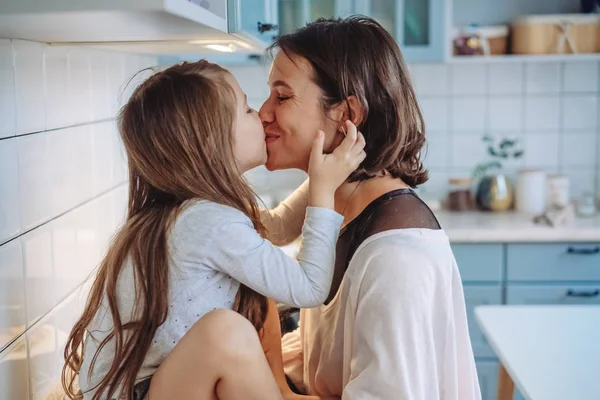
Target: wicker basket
556,34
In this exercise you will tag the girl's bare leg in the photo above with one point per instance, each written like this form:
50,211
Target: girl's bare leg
220,357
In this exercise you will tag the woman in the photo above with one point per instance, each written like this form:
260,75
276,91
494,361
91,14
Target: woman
394,325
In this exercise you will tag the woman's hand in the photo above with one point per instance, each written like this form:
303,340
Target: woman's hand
328,171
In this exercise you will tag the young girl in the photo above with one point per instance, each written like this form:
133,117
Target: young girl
193,249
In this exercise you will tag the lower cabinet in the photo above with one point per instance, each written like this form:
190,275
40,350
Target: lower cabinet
523,274
488,378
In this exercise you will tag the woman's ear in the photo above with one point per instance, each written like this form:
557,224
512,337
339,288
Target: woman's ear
356,112
349,109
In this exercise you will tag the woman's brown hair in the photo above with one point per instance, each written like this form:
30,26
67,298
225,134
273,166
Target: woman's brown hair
177,129
357,57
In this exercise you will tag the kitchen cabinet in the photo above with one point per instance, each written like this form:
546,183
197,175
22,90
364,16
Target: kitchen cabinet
487,372
294,14
478,296
144,26
553,262
253,19
523,274
419,26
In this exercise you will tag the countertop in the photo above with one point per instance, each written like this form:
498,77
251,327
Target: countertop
505,227
512,227
550,352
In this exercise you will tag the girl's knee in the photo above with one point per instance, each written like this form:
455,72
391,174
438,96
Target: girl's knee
226,330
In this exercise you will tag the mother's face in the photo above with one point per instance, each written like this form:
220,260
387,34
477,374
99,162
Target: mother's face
293,114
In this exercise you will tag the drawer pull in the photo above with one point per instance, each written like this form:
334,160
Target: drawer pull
585,252
573,293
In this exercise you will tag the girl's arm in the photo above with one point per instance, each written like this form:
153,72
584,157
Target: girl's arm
284,222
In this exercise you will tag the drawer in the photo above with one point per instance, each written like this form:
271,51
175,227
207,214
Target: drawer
478,296
487,372
554,294
553,262
479,262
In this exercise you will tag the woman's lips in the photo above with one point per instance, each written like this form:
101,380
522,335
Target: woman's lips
271,138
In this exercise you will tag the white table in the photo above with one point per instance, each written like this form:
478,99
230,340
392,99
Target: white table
549,352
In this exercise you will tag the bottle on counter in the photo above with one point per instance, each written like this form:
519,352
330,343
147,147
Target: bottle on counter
460,197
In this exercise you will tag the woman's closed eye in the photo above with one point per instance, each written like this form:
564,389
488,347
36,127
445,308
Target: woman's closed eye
282,98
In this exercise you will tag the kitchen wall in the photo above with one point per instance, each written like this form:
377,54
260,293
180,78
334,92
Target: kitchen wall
62,194
552,107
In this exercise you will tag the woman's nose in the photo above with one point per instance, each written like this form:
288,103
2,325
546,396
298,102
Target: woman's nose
266,113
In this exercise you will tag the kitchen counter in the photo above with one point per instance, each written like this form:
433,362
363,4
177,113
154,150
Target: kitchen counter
505,227
512,227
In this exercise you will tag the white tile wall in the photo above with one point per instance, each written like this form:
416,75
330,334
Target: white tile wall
551,107
10,216
62,195
12,296
8,109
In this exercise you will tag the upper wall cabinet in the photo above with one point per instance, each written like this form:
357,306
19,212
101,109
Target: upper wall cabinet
155,26
253,19
419,26
294,14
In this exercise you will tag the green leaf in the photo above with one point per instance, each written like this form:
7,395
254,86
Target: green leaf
505,143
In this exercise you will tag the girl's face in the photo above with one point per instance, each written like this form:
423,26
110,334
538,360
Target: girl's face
250,146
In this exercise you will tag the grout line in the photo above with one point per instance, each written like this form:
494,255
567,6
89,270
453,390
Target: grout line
561,132
105,192
58,129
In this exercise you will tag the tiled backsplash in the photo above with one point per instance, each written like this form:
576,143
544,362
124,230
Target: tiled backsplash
62,194
551,107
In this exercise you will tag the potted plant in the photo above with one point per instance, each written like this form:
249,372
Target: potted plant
494,191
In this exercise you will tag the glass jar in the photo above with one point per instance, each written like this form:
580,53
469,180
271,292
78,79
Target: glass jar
460,197
586,206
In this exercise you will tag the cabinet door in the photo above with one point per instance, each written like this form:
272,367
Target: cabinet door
253,19
479,262
294,14
554,294
419,26
553,262
477,296
487,372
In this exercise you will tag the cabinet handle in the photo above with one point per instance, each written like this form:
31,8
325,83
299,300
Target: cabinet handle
262,28
585,252
573,293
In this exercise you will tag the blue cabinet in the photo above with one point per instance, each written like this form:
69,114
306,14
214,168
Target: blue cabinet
254,20
478,296
487,372
479,262
553,262
522,273
419,26
553,294
294,14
